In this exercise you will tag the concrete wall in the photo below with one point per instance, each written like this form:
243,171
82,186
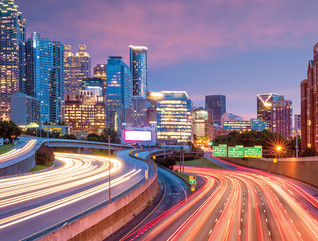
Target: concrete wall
304,169
18,165
100,224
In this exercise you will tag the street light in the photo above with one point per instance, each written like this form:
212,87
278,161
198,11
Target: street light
278,148
109,191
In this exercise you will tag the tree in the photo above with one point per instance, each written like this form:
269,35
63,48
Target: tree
10,130
44,156
114,138
68,136
93,137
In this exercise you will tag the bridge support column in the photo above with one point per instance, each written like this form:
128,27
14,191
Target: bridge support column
79,150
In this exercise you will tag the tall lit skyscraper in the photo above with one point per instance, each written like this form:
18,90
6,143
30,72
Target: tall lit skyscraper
119,93
45,76
265,109
101,74
138,67
216,103
277,112
76,67
12,36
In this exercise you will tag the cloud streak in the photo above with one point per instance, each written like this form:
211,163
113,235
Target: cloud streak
175,31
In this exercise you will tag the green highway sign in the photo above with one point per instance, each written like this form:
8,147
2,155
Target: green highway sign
256,151
192,180
237,151
220,151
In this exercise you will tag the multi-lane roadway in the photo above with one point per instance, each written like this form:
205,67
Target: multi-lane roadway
238,204
32,204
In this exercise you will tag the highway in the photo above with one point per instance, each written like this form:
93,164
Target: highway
238,204
21,148
31,204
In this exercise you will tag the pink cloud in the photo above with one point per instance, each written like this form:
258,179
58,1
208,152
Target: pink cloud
179,31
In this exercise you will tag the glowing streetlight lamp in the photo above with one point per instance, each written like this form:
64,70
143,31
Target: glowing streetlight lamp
278,148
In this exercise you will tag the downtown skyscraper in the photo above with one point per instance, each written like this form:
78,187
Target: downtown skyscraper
277,112
45,76
118,93
216,103
138,68
76,67
12,36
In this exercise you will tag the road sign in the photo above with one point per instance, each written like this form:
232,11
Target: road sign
256,151
220,151
192,189
275,160
154,157
237,151
192,180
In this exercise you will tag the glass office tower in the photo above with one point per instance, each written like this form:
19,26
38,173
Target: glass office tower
12,36
138,67
45,76
119,93
216,103
76,67
174,117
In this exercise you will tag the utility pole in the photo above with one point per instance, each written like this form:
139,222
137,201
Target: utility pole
109,199
296,143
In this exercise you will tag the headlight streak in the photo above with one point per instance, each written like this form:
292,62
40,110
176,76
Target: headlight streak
267,199
77,170
14,153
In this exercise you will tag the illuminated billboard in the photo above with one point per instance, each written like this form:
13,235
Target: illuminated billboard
137,135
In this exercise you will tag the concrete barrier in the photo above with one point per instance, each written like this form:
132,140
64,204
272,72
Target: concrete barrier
304,169
18,165
103,222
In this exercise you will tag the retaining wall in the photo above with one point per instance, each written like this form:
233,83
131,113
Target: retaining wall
18,165
304,169
101,223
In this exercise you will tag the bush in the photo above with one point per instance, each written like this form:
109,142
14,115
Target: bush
44,156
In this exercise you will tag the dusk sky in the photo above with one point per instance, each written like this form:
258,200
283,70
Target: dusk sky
239,48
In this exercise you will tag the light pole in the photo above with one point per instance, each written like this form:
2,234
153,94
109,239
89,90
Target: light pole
109,189
110,198
296,143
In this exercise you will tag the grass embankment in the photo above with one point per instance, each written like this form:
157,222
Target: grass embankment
40,167
5,148
202,162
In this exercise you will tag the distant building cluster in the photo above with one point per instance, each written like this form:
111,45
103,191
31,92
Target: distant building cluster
44,82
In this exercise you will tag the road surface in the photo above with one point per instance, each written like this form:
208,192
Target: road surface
238,204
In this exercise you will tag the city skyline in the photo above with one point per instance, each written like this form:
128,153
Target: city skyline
276,42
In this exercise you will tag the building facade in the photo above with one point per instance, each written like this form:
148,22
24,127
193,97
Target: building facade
140,107
101,73
12,37
202,125
309,105
118,93
276,112
174,118
77,67
45,76
138,67
85,114
25,110
216,103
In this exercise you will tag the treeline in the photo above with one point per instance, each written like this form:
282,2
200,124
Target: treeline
9,130
265,138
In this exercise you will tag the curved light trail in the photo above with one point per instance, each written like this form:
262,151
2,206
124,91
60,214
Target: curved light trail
15,153
82,176
238,205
